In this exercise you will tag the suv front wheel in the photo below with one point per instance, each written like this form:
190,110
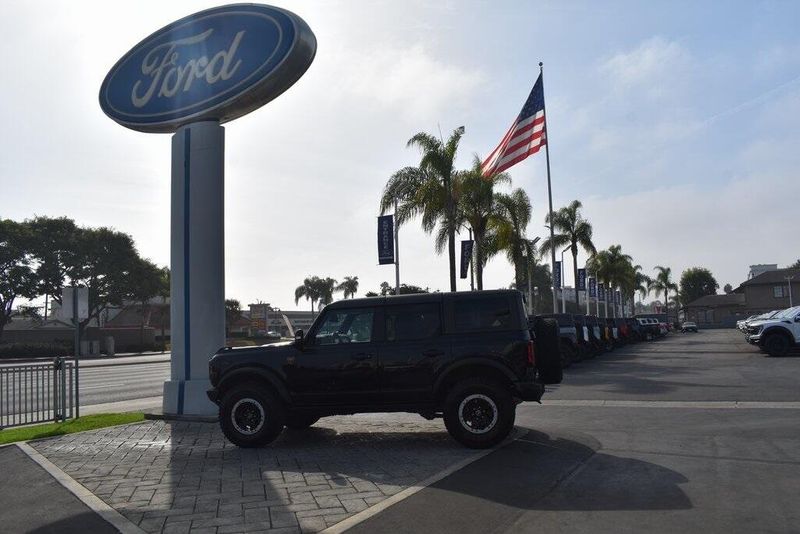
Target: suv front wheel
251,416
777,344
479,413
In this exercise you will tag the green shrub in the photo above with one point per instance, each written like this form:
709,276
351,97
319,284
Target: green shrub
34,350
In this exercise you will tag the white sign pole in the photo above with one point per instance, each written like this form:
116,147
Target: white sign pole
197,287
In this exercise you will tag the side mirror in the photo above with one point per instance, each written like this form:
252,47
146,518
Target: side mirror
298,337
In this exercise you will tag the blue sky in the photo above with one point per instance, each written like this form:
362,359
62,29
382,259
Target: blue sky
676,123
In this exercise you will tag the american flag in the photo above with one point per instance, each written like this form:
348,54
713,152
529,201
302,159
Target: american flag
525,137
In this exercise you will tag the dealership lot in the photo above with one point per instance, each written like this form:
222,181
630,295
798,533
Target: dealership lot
693,431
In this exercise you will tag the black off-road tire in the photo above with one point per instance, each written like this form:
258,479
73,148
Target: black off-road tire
251,416
300,422
777,345
479,413
548,350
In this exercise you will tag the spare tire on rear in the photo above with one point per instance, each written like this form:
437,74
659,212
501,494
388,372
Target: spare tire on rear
548,354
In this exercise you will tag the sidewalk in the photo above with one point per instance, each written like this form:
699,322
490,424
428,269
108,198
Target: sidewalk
185,477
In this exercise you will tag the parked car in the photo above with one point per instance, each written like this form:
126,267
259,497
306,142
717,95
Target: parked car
597,334
568,338
689,326
650,328
778,334
466,357
585,346
634,329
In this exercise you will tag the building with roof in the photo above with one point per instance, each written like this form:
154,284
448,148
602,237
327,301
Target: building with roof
771,290
717,311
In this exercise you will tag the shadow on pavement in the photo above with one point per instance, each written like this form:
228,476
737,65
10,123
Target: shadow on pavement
538,472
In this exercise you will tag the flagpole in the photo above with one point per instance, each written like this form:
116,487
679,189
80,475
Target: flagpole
549,192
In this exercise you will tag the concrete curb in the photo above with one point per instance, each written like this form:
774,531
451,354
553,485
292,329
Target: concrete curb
88,498
363,515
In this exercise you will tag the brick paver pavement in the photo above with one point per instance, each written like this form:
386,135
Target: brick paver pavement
181,477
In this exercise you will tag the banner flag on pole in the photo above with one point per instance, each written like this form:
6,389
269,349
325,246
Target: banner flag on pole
466,256
557,275
617,297
386,239
601,292
592,287
581,279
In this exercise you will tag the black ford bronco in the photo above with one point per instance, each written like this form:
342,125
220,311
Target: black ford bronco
467,357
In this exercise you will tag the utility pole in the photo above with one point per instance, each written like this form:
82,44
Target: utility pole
789,280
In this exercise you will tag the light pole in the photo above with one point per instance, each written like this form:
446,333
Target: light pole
563,293
789,281
530,273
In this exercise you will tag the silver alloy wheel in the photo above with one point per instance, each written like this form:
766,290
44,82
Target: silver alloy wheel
247,416
477,413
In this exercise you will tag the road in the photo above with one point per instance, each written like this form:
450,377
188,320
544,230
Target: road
114,381
697,432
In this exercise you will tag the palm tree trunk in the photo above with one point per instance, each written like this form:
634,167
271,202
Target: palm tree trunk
451,252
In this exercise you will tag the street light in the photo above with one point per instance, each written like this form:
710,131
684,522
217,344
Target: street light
529,260
789,281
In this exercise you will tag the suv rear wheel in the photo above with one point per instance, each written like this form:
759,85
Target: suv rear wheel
777,345
479,413
250,416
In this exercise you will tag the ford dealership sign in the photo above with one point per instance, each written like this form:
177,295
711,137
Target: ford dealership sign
218,64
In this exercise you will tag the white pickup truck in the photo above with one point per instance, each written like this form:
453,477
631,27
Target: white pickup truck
778,334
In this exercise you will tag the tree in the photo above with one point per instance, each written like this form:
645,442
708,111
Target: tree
17,277
795,265
325,288
437,161
476,206
102,262
309,290
233,312
52,246
663,283
507,231
695,283
145,282
405,289
728,289
570,230
613,269
349,287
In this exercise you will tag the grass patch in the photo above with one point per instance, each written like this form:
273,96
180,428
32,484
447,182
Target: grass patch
87,422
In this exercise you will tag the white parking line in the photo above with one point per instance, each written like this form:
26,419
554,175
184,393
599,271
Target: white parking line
713,405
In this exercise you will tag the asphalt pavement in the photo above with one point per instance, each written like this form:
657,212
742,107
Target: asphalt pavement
641,467
32,501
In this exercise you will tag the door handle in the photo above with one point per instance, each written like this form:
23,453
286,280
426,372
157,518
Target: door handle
432,353
361,356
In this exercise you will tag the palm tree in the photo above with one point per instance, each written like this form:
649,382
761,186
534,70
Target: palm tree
437,162
506,231
611,267
477,205
325,287
309,290
641,285
573,231
663,284
349,287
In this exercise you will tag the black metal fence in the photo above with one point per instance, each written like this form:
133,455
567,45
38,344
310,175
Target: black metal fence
37,392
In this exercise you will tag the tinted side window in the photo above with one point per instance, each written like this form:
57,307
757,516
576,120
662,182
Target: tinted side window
345,326
412,321
482,313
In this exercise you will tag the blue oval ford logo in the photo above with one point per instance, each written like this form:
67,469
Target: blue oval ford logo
218,64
